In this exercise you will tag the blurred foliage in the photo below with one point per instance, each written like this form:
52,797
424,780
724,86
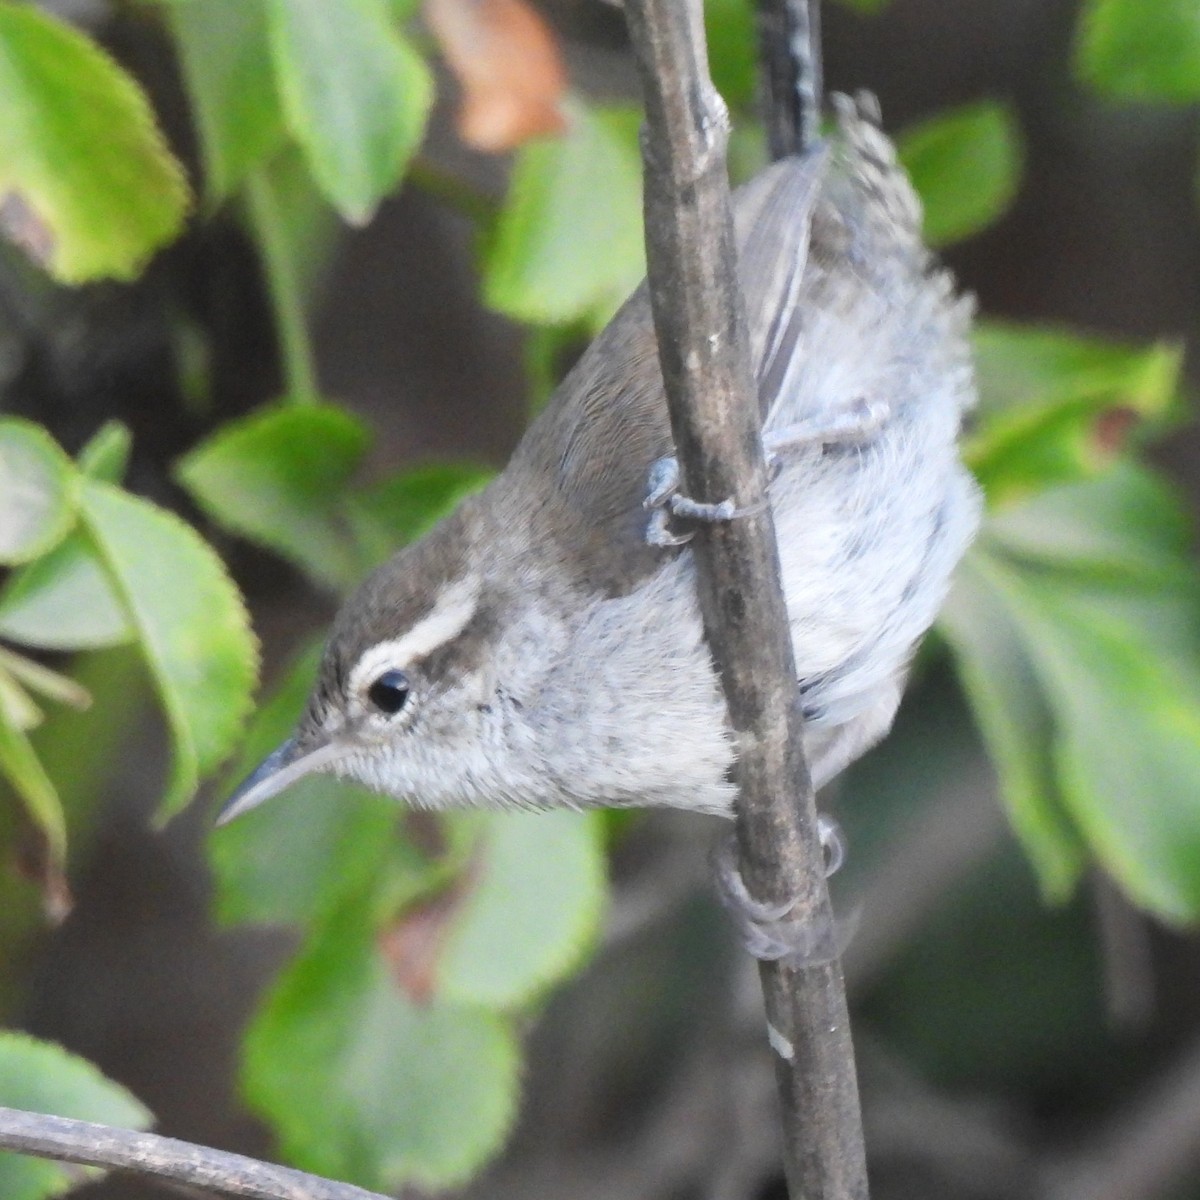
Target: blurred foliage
966,166
1133,50
89,186
41,1077
388,1050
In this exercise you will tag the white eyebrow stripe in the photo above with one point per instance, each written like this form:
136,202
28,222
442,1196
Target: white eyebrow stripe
445,621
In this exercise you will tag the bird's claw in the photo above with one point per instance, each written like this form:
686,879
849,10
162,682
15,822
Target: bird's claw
664,500
659,532
773,932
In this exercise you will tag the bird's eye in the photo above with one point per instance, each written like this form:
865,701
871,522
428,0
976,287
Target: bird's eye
389,693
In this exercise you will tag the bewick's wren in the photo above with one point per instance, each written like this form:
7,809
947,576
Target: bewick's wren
543,645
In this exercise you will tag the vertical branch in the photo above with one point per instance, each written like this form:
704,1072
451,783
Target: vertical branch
789,48
700,321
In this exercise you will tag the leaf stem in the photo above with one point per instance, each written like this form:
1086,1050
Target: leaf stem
279,271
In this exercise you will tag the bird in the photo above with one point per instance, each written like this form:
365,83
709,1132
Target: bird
543,647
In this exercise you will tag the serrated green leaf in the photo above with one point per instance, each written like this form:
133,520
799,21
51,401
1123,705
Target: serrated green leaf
64,601
38,490
401,509
1135,50
42,1077
88,185
1015,719
226,61
24,771
291,861
355,96
363,1085
106,455
538,891
278,477
190,623
568,244
966,167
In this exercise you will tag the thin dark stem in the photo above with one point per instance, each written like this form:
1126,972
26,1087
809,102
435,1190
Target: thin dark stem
700,322
164,1158
789,39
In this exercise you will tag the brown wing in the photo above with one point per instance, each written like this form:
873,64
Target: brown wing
588,453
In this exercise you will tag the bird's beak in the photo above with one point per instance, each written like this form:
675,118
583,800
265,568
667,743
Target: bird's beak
278,770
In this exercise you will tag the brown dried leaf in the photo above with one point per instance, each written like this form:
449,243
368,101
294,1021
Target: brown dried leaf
21,225
507,62
1113,429
412,945
34,860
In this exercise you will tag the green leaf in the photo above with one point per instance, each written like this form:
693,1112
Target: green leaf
38,490
403,508
297,858
1114,552
1125,523
568,243
64,601
1056,407
362,1084
355,96
537,890
965,165
21,767
1135,50
92,190
1016,721
278,477
227,64
732,49
190,622
106,456
1022,367
1128,746
42,1077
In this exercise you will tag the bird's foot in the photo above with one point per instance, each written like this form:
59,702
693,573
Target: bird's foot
857,422
774,932
664,500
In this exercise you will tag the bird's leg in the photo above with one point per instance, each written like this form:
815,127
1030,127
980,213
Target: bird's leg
857,422
772,932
